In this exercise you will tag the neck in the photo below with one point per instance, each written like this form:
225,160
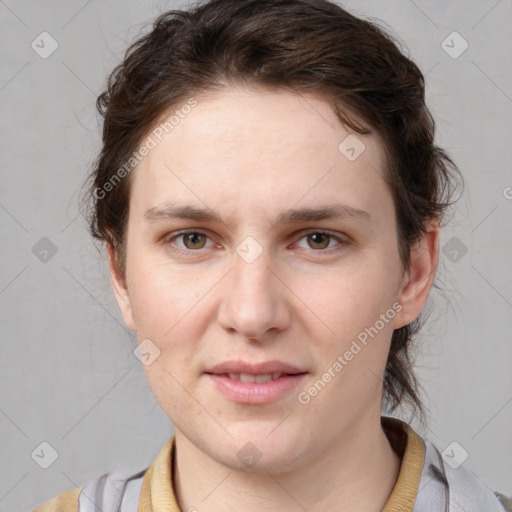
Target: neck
357,473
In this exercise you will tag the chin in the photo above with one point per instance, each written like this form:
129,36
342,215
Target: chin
253,450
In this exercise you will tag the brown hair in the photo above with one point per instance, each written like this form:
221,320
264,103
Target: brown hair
305,46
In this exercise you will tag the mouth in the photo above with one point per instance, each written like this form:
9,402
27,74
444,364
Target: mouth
244,368
247,377
255,383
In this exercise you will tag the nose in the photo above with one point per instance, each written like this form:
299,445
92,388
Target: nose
255,302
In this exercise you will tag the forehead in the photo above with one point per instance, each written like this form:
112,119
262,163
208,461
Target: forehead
261,118
244,147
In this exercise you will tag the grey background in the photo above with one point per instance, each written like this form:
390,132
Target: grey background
68,374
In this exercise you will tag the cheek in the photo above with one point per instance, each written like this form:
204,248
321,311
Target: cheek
160,296
357,305
167,385
169,309
351,299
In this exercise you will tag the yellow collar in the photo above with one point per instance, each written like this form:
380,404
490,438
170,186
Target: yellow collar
411,449
158,495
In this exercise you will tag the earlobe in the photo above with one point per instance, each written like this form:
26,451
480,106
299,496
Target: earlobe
418,279
120,289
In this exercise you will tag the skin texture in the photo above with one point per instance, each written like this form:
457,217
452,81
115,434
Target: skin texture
249,154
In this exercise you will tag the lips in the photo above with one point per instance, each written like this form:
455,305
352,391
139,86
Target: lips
255,383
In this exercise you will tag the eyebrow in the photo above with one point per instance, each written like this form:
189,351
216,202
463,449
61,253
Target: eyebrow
170,211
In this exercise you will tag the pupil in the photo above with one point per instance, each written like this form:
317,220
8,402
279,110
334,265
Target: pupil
315,236
192,237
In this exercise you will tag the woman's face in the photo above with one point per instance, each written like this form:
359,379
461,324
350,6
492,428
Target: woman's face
258,289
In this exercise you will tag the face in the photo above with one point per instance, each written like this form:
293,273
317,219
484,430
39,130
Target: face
290,271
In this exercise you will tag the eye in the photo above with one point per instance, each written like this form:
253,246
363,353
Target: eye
321,240
192,241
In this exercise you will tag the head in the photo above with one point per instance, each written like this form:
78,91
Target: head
302,133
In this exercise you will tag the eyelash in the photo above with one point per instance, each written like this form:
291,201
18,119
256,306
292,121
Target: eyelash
168,241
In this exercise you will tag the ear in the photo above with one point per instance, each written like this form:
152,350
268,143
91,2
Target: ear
418,279
120,289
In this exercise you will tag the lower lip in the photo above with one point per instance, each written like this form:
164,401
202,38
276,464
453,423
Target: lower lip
255,392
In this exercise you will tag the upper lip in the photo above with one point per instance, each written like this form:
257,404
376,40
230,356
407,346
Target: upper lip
254,368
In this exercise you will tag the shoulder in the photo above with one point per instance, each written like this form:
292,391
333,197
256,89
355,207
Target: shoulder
460,488
441,483
118,491
64,502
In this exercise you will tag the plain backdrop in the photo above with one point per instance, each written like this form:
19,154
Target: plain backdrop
68,375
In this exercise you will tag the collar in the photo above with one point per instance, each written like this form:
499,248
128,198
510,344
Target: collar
411,449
